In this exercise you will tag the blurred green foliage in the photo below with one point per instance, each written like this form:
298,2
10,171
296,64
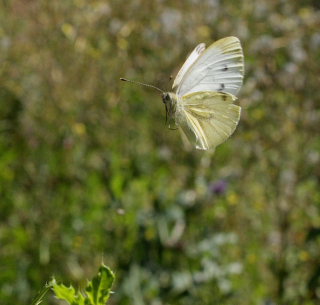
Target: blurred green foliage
88,171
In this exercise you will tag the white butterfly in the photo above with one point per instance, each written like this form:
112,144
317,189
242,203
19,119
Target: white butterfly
204,92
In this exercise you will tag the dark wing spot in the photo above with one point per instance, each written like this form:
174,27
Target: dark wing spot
222,86
225,68
224,97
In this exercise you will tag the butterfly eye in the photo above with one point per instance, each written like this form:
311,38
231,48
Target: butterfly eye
167,97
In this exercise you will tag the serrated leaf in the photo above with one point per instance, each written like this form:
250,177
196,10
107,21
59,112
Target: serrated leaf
39,298
98,290
68,294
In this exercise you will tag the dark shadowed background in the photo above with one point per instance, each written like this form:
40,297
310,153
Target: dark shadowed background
89,171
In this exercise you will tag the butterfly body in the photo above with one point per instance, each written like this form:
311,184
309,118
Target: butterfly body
170,101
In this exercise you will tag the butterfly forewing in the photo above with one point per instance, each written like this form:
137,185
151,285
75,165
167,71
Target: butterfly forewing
208,118
219,68
190,60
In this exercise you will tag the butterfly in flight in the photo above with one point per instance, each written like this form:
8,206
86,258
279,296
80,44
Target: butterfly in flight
201,103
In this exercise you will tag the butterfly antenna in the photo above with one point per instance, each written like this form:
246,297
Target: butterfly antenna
141,84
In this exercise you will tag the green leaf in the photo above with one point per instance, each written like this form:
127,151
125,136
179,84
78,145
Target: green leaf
98,290
39,298
68,294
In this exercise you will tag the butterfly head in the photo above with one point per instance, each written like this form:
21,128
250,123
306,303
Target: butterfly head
170,101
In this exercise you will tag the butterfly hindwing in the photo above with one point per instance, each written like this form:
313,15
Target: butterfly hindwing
219,68
208,118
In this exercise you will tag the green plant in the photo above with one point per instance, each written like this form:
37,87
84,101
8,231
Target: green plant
97,291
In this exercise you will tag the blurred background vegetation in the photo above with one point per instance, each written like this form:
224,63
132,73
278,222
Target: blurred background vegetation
89,172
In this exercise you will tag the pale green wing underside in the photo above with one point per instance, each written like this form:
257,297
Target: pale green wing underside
208,118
